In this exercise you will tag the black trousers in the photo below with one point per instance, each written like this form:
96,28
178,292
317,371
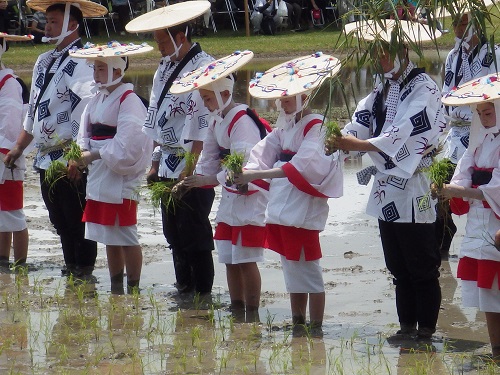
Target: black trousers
412,257
65,202
189,234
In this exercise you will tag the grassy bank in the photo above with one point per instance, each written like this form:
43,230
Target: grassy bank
22,56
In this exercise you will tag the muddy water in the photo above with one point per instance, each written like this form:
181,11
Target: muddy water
49,325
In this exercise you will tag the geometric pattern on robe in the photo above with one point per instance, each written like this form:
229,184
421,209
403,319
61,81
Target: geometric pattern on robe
60,108
180,119
400,190
481,63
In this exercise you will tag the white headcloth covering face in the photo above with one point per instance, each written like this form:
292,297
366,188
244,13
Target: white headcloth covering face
219,86
115,62
477,130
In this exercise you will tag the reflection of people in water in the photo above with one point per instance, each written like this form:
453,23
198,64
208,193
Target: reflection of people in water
194,340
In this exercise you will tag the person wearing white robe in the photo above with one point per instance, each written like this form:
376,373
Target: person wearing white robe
240,232
399,140
477,181
179,124
13,227
471,57
53,121
302,180
117,154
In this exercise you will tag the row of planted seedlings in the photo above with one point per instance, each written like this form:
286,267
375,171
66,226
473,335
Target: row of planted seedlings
70,327
65,326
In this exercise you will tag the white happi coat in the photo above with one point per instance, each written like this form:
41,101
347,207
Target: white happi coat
481,222
11,124
288,205
481,63
180,118
400,187
57,118
234,209
124,158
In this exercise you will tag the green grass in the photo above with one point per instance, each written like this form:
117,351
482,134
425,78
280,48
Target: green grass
285,44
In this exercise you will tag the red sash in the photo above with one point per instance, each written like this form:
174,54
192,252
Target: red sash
11,195
483,271
289,241
106,213
251,235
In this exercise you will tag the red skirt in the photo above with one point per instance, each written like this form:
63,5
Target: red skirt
289,241
11,195
483,271
251,235
106,213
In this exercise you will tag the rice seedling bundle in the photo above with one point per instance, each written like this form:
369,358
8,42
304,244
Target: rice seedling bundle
58,169
160,192
332,131
234,165
439,171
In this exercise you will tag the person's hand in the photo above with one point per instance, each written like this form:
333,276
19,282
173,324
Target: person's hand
448,191
75,170
331,145
245,177
497,240
194,181
12,156
436,191
152,176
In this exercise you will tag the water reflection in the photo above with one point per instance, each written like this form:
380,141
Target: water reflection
356,85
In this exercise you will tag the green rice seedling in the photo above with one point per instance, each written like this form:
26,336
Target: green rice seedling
160,192
439,171
191,159
332,131
234,164
58,169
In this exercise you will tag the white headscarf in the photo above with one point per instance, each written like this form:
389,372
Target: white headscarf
286,120
477,130
219,86
114,62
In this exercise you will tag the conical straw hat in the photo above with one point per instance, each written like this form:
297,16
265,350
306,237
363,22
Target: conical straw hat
16,38
383,30
88,8
477,90
168,16
112,49
211,72
294,77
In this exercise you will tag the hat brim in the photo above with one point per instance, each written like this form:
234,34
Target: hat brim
88,8
210,73
168,16
16,38
478,90
110,50
371,30
294,77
